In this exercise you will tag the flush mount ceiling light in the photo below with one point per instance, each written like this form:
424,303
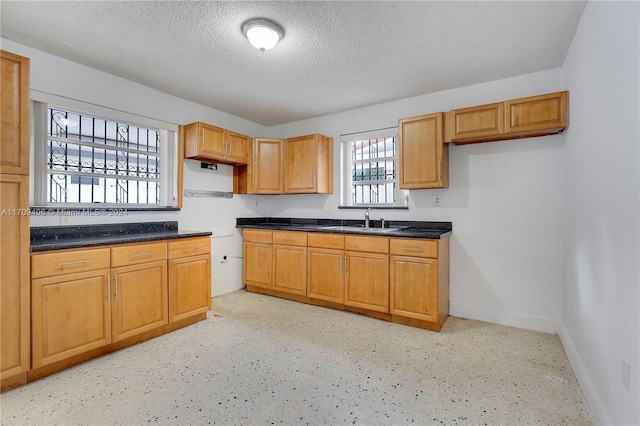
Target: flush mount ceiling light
262,33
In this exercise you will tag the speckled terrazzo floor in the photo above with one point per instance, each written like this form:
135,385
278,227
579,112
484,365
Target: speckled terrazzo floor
262,360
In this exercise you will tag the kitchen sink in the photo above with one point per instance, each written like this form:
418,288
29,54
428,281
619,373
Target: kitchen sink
361,229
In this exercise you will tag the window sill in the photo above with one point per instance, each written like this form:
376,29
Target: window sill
374,207
50,209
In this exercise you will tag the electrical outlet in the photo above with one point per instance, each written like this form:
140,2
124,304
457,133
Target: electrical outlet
437,200
64,219
625,372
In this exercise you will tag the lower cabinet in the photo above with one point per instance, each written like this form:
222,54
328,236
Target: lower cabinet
419,281
290,262
85,299
367,281
71,314
404,280
257,258
140,300
189,278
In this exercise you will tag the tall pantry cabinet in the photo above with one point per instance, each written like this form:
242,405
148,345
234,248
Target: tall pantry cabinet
14,219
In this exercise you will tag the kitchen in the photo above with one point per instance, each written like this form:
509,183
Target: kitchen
522,237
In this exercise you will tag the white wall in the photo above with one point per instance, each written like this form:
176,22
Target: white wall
506,248
51,74
601,314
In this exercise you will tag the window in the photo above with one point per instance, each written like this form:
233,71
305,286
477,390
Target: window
85,159
370,170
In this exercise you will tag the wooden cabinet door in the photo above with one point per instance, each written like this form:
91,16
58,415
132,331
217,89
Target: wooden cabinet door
367,281
189,286
300,165
474,122
257,264
71,314
325,274
267,166
414,287
536,113
139,298
14,278
422,155
290,269
14,110
238,148
213,142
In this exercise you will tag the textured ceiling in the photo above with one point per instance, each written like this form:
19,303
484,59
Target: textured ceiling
335,56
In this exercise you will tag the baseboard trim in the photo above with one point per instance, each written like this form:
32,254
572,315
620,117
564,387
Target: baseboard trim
596,405
503,318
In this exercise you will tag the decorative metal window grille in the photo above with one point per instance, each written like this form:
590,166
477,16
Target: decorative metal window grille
373,172
94,160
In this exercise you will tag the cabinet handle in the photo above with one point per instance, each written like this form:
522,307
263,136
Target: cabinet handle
116,287
78,262
412,249
341,262
315,178
288,239
345,265
151,253
439,169
109,287
192,248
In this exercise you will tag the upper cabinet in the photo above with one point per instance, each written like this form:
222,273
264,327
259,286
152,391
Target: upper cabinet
209,143
308,165
516,118
14,110
422,156
268,160
300,165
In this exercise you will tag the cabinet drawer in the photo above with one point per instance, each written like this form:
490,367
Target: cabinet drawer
290,238
188,247
257,236
366,244
68,261
139,253
331,241
414,247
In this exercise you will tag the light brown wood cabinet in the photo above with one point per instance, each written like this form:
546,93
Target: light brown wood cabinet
308,165
14,107
419,281
214,144
71,315
15,330
423,158
257,258
85,299
367,272
275,260
140,298
517,118
189,277
267,167
290,262
325,267
300,165
404,280
71,303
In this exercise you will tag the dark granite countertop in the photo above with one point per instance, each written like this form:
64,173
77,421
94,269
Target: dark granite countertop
392,228
67,237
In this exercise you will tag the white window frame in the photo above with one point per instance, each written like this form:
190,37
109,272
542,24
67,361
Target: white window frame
347,140
168,184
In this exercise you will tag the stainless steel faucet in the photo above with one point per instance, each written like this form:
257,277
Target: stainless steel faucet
366,218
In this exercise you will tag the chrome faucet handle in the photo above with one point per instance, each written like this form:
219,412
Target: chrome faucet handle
382,220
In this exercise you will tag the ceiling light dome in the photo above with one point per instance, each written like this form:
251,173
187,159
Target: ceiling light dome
262,33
